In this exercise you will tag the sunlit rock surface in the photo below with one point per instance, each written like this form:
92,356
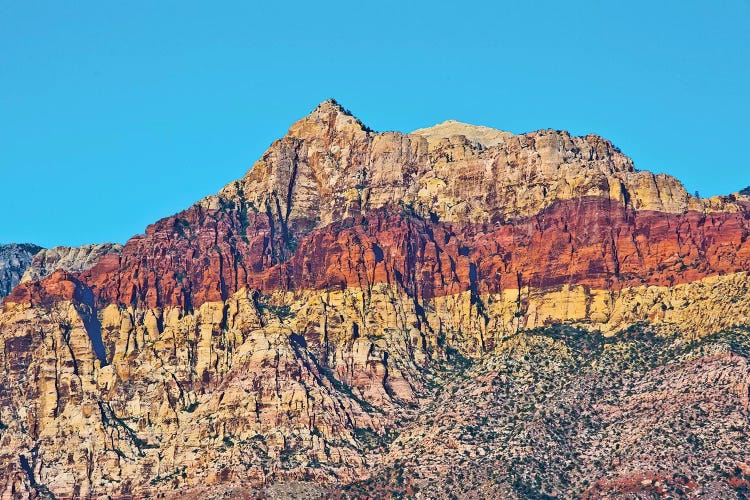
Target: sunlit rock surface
455,311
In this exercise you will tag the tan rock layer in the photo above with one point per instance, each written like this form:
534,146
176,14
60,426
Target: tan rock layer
330,166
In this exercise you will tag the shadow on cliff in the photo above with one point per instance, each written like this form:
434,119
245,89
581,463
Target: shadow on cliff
87,310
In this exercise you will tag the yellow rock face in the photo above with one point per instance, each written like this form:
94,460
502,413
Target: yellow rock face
206,395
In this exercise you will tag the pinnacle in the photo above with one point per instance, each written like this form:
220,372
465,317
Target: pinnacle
331,105
328,107
328,113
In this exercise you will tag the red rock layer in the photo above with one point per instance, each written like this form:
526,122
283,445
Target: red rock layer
206,255
57,286
590,241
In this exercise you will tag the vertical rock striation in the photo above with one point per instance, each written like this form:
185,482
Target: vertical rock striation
290,328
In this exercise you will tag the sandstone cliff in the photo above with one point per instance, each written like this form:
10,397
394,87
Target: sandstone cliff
299,326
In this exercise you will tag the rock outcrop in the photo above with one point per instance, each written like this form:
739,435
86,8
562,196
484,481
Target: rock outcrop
14,259
69,259
482,137
299,327
27,262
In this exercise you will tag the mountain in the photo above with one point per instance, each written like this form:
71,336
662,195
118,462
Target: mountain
457,311
14,259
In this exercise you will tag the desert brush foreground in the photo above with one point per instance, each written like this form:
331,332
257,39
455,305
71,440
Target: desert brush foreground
458,312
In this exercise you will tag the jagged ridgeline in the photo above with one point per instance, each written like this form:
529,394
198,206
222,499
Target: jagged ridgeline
26,262
458,311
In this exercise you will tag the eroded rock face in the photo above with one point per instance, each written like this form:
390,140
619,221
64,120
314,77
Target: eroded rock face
329,166
588,242
289,329
27,262
14,259
69,259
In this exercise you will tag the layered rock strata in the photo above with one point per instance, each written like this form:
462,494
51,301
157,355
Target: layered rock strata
284,329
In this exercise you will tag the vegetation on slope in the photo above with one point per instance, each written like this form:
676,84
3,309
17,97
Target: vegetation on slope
566,413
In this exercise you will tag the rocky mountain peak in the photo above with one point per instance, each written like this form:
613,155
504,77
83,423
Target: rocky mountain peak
331,166
326,121
331,106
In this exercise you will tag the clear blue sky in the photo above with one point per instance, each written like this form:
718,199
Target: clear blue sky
114,114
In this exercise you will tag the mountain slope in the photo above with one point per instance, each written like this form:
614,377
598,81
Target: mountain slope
635,416
297,326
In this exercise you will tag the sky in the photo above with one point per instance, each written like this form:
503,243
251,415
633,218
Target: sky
115,114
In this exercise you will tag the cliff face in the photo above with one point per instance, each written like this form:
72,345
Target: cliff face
289,329
14,259
27,262
70,259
